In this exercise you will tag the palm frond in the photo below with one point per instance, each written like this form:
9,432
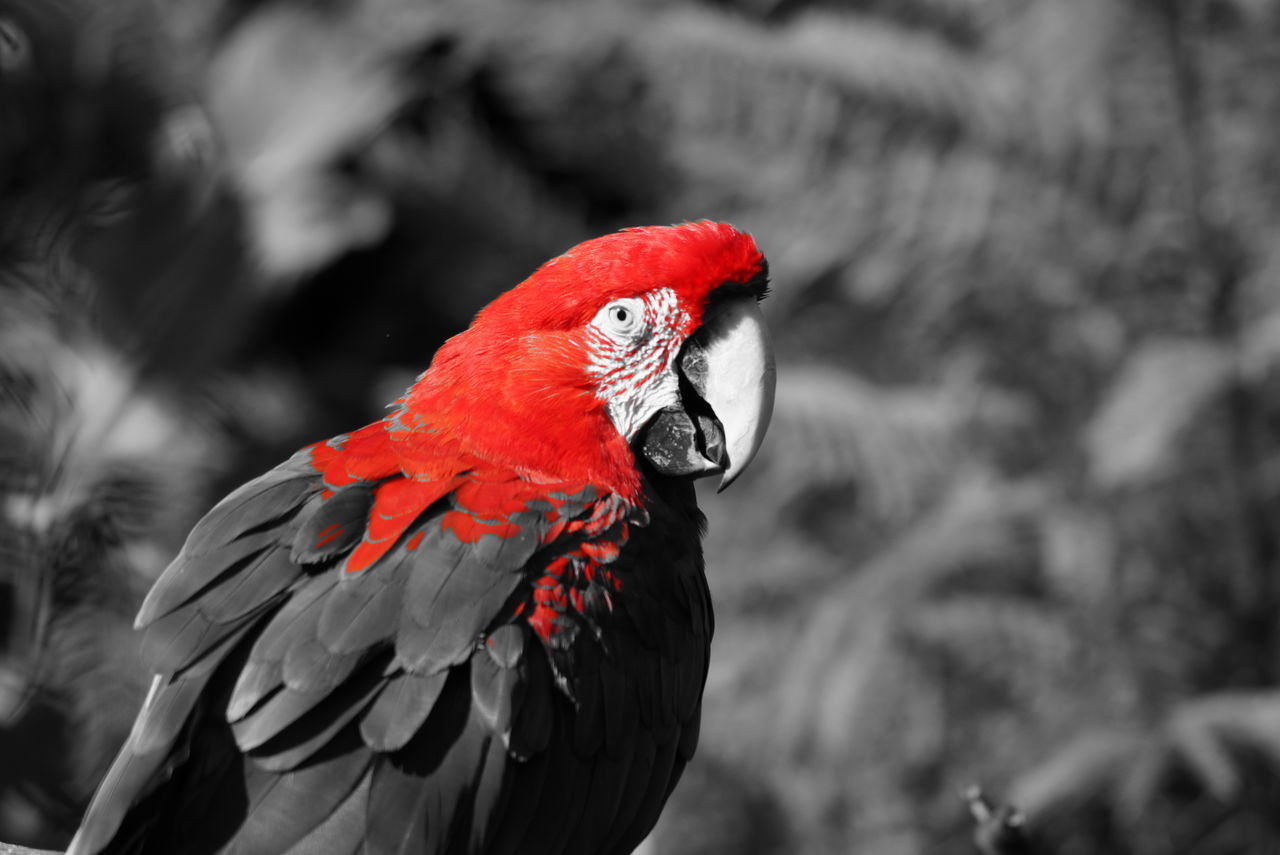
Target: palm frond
1213,738
290,94
894,447
1019,646
860,58
854,625
1086,768
1079,553
1210,734
1162,388
101,479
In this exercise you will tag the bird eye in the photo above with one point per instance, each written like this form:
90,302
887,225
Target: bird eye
622,319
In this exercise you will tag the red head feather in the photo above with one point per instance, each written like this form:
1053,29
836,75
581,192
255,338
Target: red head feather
692,258
512,391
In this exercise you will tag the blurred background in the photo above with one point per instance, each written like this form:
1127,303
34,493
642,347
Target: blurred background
1016,520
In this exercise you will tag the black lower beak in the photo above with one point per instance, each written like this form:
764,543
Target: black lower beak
686,439
676,444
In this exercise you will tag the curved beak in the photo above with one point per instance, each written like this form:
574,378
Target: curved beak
727,377
730,365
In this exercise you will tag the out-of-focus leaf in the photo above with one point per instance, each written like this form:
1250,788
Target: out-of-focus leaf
1016,644
14,689
1209,734
100,476
1162,388
720,809
1211,737
1085,769
293,91
850,634
896,447
268,405
1079,552
91,423
859,55
15,47
1260,351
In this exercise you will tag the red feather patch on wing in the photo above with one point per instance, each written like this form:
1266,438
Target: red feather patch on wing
396,504
366,455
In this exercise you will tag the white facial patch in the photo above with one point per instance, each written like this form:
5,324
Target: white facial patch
632,344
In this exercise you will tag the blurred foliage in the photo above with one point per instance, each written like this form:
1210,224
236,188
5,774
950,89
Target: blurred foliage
1015,522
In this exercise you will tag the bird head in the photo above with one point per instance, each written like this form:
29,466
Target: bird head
643,344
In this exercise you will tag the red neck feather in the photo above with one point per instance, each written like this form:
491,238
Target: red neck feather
524,403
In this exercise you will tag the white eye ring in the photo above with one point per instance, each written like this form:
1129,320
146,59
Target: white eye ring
622,319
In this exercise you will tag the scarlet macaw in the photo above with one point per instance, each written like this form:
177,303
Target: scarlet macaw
480,624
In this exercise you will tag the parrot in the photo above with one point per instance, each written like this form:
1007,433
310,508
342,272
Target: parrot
480,624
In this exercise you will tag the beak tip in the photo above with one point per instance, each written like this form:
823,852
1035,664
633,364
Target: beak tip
731,474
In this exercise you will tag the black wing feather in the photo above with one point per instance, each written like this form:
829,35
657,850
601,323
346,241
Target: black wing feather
489,795
334,526
451,597
178,641
655,794
528,778
199,574
248,515
260,505
531,731
621,709
260,577
364,611
287,706
298,744
310,667
639,774
572,795
553,808
281,810
497,680
414,795
604,795
400,710
588,730
263,673
342,833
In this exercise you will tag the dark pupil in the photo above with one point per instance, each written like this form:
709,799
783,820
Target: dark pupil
620,314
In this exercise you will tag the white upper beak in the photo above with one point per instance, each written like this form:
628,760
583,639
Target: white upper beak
740,378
